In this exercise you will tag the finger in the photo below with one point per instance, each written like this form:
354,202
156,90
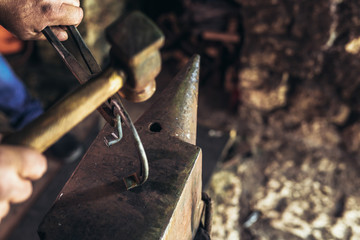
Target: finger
75,3
12,187
60,33
38,36
22,192
67,15
21,189
33,165
4,209
27,162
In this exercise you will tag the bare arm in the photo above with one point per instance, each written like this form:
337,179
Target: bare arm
27,18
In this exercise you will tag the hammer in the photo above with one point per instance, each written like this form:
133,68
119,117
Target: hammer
136,62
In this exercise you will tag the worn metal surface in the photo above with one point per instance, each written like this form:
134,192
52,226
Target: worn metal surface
139,54
94,204
176,105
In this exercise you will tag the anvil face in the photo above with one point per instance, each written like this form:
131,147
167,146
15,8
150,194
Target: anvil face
94,204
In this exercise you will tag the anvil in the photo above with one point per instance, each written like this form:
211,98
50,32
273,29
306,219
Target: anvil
94,203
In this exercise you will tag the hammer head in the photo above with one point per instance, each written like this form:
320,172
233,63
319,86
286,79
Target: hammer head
135,42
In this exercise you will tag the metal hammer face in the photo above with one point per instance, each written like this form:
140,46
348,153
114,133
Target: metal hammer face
139,54
94,203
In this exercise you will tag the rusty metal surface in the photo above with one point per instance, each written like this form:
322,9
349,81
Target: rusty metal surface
94,203
177,105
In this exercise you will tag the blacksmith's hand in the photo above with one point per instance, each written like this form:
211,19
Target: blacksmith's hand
18,165
27,18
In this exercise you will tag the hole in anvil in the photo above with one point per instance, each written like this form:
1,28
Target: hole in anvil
155,127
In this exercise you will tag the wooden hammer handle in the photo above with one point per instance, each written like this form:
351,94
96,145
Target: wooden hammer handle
63,116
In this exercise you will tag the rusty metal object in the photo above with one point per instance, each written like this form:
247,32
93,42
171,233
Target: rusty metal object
139,54
114,138
94,204
67,113
90,61
133,180
70,61
221,37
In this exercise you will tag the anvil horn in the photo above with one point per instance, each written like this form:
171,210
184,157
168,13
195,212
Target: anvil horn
175,110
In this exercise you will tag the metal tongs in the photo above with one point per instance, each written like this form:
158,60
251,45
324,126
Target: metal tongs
73,65
113,110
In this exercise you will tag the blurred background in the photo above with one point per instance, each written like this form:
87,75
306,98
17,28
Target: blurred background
278,116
